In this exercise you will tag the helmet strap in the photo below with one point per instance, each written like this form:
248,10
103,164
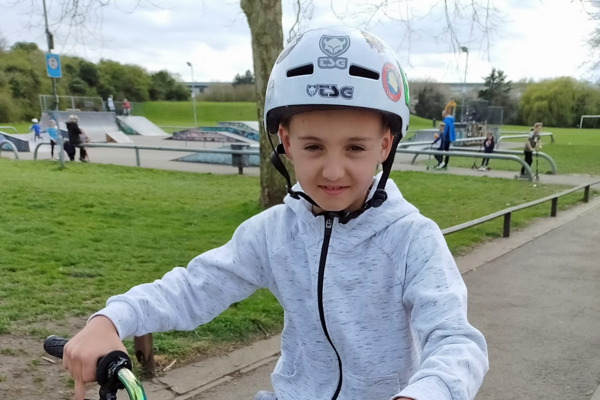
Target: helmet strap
280,167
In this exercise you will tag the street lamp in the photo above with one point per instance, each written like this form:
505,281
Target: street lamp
193,93
462,113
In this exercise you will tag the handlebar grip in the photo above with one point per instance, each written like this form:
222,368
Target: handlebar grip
54,345
108,367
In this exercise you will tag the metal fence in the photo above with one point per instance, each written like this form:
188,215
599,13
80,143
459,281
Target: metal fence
507,212
48,102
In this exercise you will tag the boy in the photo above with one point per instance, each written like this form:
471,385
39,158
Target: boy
35,127
375,307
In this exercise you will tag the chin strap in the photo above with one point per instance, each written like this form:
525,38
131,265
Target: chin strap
378,198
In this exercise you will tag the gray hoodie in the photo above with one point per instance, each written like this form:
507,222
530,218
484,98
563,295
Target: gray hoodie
374,308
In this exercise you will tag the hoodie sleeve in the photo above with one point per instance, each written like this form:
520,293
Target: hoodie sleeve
453,353
185,298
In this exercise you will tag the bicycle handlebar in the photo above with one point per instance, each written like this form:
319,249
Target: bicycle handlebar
113,371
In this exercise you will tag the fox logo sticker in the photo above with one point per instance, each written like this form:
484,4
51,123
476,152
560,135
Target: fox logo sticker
333,47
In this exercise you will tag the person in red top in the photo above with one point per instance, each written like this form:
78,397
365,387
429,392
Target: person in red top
126,107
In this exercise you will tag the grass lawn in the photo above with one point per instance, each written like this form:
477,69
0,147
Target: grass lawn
73,237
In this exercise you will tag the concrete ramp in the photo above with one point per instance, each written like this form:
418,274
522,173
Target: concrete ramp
95,124
140,126
117,137
21,140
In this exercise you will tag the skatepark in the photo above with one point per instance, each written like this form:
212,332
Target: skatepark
533,295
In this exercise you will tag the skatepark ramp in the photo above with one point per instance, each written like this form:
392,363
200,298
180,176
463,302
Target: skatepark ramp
100,127
135,125
19,141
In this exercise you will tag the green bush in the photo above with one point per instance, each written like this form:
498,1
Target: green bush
9,111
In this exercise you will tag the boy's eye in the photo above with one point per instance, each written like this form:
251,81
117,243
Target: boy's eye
356,148
312,147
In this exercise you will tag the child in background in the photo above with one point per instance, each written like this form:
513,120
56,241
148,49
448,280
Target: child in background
35,127
532,144
488,147
375,307
436,138
126,107
53,135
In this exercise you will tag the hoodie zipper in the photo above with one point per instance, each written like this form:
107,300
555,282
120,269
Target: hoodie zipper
328,229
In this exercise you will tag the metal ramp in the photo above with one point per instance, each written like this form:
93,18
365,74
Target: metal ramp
139,126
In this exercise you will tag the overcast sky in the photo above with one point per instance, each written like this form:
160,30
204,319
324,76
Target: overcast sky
534,39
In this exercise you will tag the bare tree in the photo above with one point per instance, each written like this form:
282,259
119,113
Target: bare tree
303,10
479,17
81,19
592,7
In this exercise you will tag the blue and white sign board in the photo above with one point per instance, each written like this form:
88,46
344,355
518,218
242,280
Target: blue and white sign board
53,66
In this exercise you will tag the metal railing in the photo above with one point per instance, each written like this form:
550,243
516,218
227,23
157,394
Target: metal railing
507,212
492,156
237,155
511,152
474,139
11,146
238,161
9,127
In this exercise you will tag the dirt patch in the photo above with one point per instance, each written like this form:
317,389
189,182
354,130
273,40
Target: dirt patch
25,374
28,373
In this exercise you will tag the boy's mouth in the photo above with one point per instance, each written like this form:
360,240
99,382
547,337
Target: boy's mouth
332,190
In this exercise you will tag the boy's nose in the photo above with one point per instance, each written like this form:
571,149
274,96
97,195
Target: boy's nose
333,169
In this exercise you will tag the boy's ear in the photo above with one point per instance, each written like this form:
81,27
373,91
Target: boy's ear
284,138
386,145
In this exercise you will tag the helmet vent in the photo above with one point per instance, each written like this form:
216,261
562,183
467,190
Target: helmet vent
355,70
307,69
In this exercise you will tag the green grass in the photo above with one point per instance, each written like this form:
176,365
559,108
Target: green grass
181,113
71,238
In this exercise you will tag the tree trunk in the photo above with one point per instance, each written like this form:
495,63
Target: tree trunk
264,19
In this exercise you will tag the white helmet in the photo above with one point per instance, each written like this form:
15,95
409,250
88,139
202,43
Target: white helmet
35,120
333,67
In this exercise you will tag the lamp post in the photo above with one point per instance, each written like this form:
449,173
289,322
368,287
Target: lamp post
463,108
193,93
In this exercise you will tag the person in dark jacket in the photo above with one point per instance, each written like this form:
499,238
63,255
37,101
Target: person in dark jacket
76,138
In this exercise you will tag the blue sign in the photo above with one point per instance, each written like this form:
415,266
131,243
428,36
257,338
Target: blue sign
53,66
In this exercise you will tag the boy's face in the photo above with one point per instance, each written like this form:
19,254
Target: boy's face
335,153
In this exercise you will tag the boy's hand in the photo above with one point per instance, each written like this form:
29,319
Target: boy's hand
98,338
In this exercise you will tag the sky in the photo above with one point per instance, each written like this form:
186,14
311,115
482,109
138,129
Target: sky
530,40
